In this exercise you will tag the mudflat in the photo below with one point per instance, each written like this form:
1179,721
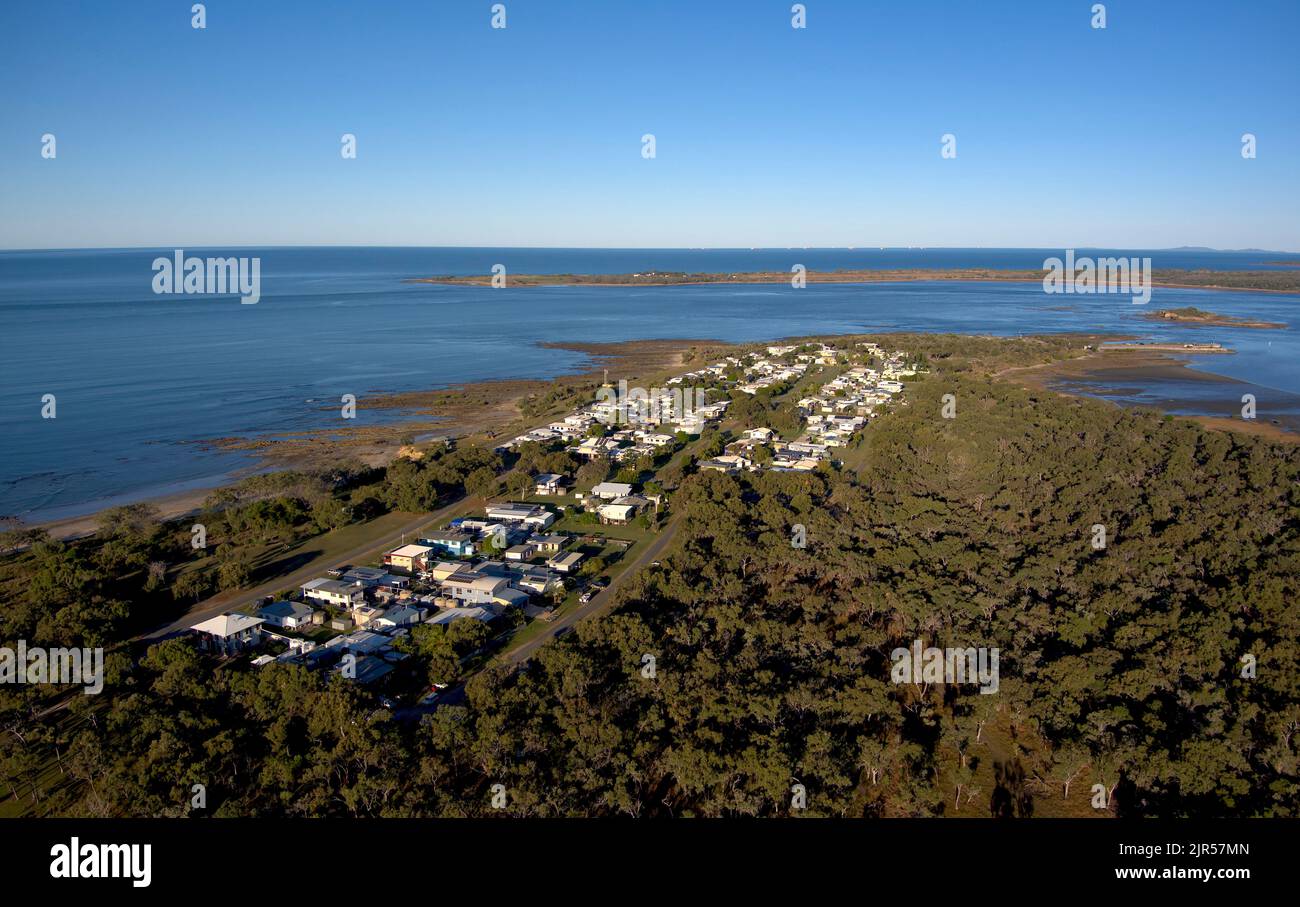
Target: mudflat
1129,371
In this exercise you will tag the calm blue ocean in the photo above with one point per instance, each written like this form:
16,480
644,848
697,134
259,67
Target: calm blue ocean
142,379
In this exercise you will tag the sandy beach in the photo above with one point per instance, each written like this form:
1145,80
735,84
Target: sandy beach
170,507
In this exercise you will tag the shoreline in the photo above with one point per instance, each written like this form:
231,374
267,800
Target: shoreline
483,411
476,412
170,507
1143,369
1247,281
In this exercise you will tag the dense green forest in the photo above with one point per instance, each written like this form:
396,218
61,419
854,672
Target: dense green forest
1121,666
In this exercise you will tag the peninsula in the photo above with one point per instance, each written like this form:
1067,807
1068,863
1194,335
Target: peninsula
1260,281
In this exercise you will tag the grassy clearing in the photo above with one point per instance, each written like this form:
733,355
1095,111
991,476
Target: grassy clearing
998,745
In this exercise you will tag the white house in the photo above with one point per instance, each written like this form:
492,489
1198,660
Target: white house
654,439
729,463
621,510
537,580
566,563
548,483
608,491
548,544
286,614
334,592
230,633
527,514
473,589
401,616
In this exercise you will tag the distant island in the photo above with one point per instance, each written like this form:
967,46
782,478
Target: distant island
1260,281
1190,315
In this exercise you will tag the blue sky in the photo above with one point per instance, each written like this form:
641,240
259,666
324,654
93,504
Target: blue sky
766,135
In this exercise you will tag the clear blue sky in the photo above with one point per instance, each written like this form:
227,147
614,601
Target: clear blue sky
766,135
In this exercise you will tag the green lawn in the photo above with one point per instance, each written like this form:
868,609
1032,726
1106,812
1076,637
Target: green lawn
998,744
555,500
630,532
857,454
535,628
52,785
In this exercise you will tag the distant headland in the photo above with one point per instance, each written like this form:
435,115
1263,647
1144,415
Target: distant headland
1258,281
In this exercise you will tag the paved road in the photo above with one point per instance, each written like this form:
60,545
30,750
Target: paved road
225,601
601,600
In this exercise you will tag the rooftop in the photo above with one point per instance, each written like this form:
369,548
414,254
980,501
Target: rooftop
228,624
411,551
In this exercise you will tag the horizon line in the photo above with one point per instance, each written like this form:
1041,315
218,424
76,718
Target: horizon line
845,248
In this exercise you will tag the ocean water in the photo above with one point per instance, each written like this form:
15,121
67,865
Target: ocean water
142,380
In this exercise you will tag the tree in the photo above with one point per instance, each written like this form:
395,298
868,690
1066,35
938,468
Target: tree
132,522
628,475
192,585
712,444
482,483
593,472
1119,666
156,576
518,482
233,572
330,513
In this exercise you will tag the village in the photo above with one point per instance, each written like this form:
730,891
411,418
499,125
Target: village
558,543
